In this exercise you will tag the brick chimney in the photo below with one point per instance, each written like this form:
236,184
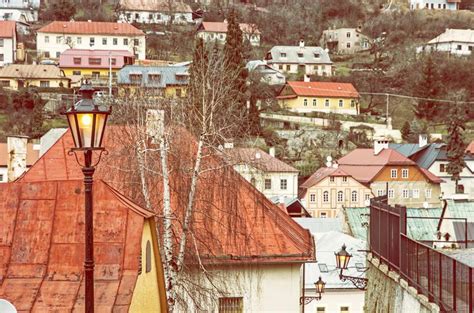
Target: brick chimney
16,164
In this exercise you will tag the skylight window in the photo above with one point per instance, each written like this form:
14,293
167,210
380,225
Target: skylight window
323,268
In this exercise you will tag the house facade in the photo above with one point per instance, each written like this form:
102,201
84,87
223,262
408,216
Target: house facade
385,170
300,59
458,42
264,171
16,157
19,10
155,12
217,32
345,40
327,97
435,4
7,42
17,76
268,74
153,81
57,37
330,189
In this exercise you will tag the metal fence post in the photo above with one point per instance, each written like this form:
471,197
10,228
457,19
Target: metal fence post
454,285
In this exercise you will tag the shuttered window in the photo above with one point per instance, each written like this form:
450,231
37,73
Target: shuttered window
231,305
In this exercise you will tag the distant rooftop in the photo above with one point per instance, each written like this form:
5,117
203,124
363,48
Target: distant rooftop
258,158
98,28
454,35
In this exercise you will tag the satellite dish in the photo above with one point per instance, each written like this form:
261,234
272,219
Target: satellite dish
7,307
329,158
426,205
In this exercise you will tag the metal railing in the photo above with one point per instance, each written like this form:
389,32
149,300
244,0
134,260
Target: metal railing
444,280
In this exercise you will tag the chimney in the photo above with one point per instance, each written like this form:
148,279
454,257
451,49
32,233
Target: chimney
16,147
301,43
154,124
271,151
422,140
306,78
258,155
379,145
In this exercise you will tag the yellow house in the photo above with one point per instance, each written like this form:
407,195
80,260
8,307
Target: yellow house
153,81
17,76
327,97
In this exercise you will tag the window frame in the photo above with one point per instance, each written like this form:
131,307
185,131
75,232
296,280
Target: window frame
356,194
229,307
326,196
405,194
267,185
283,184
405,171
428,193
312,198
340,196
392,171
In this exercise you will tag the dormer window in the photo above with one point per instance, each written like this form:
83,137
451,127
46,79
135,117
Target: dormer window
317,55
181,76
114,61
94,61
77,60
300,55
135,78
154,78
283,54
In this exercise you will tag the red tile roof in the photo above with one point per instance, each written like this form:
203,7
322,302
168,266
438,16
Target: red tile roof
320,89
234,223
221,27
98,28
257,158
7,29
42,246
321,174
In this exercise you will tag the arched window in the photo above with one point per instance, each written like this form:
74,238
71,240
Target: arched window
325,196
354,196
340,196
148,257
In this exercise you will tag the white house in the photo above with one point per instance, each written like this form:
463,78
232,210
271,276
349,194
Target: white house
264,171
303,59
454,41
155,12
345,40
338,296
268,74
7,42
19,10
217,32
435,4
56,37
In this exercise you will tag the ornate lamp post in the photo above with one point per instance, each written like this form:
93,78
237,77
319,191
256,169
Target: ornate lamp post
87,124
319,285
342,261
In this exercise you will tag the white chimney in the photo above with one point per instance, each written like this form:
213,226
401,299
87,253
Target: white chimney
155,124
16,164
258,155
301,43
422,140
379,145
271,151
228,145
306,78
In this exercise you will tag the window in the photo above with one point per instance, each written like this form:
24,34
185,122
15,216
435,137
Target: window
137,16
459,47
340,196
320,309
317,56
125,41
135,78
326,196
393,173
113,61
231,305
367,196
77,60
344,179
253,181
405,173
46,54
348,45
460,189
331,179
44,83
58,54
95,74
179,93
300,55
380,192
444,6
46,39
68,39
344,309
288,67
104,41
323,214
268,183
326,102
4,83
221,36
348,35
405,194
305,102
280,67
1,42
341,103
148,257
283,184
416,193
428,193
442,168
76,72
91,41
2,57
58,39
153,78
136,42
1,177
283,54
470,48
150,16
354,196
94,61
314,102
79,40
312,198
353,103
391,193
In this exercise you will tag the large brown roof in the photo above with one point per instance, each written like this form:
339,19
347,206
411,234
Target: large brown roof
257,158
7,29
30,71
31,154
321,174
42,246
154,5
98,28
234,223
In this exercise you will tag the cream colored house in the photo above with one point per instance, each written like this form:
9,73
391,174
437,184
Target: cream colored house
17,76
344,40
217,32
329,189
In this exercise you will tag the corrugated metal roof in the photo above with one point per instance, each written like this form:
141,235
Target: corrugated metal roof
407,149
309,55
168,75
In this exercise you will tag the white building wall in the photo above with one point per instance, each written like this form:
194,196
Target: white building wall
333,300
221,37
448,187
433,5
25,15
56,43
456,48
156,17
8,50
310,69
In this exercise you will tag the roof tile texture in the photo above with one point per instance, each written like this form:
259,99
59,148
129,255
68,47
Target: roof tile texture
7,29
323,89
99,28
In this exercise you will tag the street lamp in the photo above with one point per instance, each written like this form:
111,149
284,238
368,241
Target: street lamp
342,262
87,124
319,286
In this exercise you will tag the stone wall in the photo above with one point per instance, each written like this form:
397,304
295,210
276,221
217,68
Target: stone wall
388,293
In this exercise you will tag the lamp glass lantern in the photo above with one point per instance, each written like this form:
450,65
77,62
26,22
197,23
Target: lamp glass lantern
320,284
87,121
342,258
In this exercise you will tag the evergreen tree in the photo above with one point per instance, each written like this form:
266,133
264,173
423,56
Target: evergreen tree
406,131
428,87
456,147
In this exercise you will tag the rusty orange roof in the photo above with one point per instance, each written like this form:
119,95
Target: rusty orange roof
7,29
318,89
42,246
31,154
99,28
234,223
